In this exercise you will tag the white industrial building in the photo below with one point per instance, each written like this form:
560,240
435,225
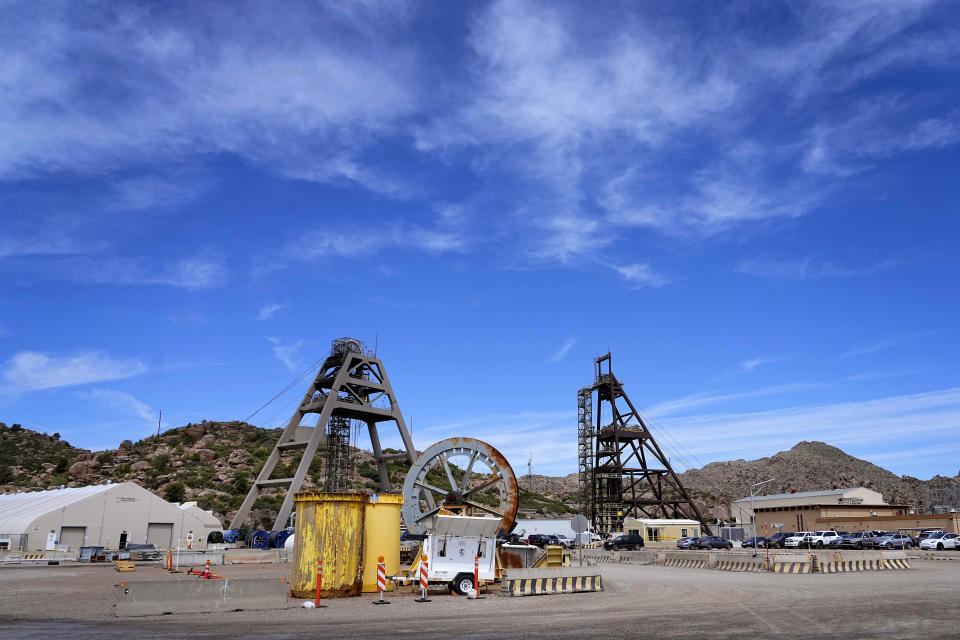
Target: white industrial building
106,515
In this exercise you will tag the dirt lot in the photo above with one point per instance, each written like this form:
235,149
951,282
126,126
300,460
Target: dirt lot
924,602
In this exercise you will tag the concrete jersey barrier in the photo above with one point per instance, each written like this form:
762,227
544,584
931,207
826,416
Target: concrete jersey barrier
200,596
532,582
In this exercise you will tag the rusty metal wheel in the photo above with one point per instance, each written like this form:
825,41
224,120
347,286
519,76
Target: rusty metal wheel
462,475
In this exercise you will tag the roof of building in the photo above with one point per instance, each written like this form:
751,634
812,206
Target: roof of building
663,522
799,494
18,510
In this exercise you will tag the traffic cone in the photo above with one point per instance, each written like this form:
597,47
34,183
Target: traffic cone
206,571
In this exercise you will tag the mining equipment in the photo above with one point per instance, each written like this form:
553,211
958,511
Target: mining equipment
623,473
350,387
484,485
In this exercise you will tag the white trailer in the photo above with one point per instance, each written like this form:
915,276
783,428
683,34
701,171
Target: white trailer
452,546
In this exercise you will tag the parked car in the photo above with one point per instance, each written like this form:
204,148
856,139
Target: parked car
758,541
630,541
565,541
713,542
820,539
837,541
926,534
776,540
940,540
799,539
857,540
895,541
539,540
687,543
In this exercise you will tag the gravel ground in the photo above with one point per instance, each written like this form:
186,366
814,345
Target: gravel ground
924,602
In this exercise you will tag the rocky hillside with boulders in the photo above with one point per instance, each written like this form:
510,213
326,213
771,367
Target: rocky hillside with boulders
214,463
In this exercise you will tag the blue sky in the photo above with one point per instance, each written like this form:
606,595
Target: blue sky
753,206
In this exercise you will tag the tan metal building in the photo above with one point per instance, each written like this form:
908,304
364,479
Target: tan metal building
106,515
653,529
812,510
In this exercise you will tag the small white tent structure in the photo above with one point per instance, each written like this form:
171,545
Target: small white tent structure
106,515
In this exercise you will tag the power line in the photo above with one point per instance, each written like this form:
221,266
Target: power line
309,369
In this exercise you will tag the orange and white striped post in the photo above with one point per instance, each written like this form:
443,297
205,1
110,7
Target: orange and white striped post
319,580
423,580
381,580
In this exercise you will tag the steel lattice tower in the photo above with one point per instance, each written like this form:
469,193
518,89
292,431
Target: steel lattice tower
620,480
585,447
352,384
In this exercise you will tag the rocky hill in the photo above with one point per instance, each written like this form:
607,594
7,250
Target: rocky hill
808,466
215,462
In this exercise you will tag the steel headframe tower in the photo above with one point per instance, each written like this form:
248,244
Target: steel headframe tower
352,384
616,477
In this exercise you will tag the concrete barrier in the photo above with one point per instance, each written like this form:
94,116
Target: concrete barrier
792,563
636,557
194,557
533,582
742,564
255,556
686,559
895,559
200,596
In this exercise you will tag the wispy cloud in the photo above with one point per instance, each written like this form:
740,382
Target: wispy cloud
124,402
323,243
563,350
882,344
803,269
868,426
268,311
753,363
289,353
685,403
34,370
641,275
206,270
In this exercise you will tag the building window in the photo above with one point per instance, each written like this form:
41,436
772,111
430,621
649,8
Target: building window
683,533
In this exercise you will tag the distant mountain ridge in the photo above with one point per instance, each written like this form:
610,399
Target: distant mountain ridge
215,462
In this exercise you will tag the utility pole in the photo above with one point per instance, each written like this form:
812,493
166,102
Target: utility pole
753,513
159,421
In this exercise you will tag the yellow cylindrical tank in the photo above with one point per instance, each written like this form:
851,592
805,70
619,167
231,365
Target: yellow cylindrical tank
381,537
328,526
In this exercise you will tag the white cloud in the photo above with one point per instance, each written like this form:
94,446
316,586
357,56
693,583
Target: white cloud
857,427
289,353
123,402
323,243
753,363
316,83
267,311
33,370
641,275
881,345
802,269
682,405
205,270
563,350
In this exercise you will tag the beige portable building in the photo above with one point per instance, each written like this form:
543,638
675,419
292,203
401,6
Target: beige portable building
105,515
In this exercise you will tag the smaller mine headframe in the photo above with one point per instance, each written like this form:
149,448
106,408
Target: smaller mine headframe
350,388
623,472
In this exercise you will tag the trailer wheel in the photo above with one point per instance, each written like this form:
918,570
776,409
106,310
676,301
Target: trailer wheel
463,583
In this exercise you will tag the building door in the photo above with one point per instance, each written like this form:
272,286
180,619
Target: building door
160,534
73,536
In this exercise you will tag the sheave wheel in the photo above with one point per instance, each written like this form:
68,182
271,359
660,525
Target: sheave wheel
462,584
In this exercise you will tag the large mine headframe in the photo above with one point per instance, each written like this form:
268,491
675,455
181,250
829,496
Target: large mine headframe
616,479
352,385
